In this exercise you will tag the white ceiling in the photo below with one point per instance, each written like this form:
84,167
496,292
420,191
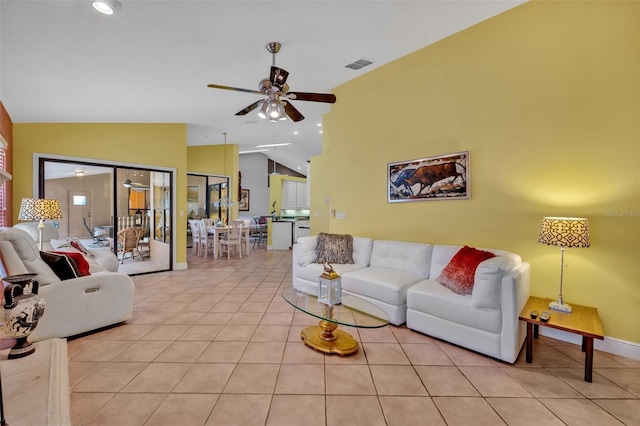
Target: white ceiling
61,61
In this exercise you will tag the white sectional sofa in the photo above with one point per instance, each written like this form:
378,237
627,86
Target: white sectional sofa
400,278
73,306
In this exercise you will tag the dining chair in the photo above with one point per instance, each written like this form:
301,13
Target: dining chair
232,239
245,228
195,237
261,231
206,241
207,222
129,242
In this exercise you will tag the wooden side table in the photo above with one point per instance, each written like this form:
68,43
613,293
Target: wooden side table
583,320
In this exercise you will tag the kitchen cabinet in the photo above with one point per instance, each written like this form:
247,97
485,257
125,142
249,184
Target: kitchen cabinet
294,195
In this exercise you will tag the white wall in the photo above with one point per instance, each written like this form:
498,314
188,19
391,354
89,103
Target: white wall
254,178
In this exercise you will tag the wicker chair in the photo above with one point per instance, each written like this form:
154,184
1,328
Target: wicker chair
129,242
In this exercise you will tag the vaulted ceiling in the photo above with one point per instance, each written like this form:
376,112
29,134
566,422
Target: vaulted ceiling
61,61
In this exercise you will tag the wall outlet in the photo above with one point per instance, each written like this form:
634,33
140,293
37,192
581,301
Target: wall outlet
316,214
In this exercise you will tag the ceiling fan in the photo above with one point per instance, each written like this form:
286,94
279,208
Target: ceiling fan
277,106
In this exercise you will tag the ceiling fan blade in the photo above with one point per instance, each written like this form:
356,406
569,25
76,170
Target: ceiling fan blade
278,77
250,108
237,89
292,112
314,97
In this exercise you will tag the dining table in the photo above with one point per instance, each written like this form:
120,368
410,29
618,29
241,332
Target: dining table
216,233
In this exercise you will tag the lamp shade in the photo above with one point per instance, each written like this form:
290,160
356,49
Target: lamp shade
39,208
565,232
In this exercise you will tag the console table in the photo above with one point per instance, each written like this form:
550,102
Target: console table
36,388
583,320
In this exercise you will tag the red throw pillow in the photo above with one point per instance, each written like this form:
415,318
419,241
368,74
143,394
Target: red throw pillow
459,275
81,262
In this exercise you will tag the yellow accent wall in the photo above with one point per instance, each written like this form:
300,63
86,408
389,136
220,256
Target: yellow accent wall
161,145
546,98
210,159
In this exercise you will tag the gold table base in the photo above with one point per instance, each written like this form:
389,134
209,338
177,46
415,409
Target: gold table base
326,338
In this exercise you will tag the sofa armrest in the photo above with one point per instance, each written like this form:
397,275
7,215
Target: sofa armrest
514,294
84,304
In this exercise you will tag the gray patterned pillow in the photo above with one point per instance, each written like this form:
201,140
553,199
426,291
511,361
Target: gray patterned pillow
334,248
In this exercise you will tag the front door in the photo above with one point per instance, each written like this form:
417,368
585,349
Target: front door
79,209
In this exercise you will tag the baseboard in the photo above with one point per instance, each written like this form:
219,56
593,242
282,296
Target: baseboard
609,344
180,266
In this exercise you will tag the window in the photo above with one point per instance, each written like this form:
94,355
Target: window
79,200
4,177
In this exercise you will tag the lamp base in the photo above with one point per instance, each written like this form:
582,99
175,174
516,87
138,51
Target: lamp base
562,307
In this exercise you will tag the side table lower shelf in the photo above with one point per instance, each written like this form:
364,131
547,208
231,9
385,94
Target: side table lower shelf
36,388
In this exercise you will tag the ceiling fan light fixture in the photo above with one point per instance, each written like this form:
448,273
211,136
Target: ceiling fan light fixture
107,7
264,110
274,111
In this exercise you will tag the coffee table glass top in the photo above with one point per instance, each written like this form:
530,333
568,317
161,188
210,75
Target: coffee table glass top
353,312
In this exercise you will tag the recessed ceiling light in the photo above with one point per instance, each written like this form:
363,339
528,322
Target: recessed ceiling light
273,144
320,131
319,124
107,7
295,133
253,150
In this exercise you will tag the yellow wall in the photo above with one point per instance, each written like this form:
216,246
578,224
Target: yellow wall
546,97
210,160
162,145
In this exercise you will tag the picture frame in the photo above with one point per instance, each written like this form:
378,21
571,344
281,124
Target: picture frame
441,177
243,202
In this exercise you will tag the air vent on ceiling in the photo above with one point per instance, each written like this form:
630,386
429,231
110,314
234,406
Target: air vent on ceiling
360,63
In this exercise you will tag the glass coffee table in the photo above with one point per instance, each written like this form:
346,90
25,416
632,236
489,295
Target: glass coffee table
352,312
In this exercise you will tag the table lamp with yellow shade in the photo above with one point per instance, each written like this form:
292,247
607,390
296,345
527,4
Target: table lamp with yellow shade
564,232
40,209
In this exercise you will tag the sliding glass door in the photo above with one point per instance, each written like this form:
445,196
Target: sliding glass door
99,201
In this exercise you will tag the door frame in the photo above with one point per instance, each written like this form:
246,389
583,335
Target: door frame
38,185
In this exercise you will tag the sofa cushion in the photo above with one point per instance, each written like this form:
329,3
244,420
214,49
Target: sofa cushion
61,264
312,271
362,247
459,274
334,248
49,232
306,250
27,250
488,281
384,284
430,297
414,258
11,262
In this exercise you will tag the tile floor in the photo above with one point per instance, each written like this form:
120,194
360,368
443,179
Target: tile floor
217,345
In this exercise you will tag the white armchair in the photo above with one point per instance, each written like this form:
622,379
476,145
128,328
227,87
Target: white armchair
73,306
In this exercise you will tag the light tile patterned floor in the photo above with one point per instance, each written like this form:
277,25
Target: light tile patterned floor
217,345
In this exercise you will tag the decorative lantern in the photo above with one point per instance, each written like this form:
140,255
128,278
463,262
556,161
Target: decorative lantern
330,291
329,287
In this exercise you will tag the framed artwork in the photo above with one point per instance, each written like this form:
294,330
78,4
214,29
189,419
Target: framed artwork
444,177
243,203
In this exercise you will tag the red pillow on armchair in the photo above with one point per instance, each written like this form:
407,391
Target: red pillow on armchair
81,262
459,275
